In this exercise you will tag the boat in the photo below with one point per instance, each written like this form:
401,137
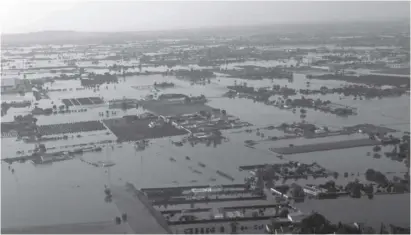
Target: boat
172,159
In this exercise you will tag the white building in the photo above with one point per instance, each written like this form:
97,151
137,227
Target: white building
398,66
8,84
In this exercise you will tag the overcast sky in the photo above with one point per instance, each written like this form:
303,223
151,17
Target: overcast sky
19,16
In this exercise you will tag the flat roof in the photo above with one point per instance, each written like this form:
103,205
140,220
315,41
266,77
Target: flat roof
8,81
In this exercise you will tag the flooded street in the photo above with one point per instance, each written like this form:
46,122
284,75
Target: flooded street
60,185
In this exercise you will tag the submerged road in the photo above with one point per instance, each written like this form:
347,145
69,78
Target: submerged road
104,227
141,216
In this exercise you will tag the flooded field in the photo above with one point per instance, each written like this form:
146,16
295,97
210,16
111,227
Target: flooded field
71,191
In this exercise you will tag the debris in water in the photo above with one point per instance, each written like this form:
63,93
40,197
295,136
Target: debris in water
177,143
107,191
377,156
377,148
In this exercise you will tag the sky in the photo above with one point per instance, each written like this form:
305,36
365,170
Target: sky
22,16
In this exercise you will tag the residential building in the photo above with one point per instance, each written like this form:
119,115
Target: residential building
398,66
8,84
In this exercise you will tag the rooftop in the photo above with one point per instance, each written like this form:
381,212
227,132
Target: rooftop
8,81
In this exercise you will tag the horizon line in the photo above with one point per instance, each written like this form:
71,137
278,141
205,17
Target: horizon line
218,27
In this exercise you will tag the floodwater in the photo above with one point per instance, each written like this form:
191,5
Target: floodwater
72,191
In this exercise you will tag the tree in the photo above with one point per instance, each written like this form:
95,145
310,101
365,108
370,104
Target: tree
284,125
187,100
315,223
82,71
270,183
